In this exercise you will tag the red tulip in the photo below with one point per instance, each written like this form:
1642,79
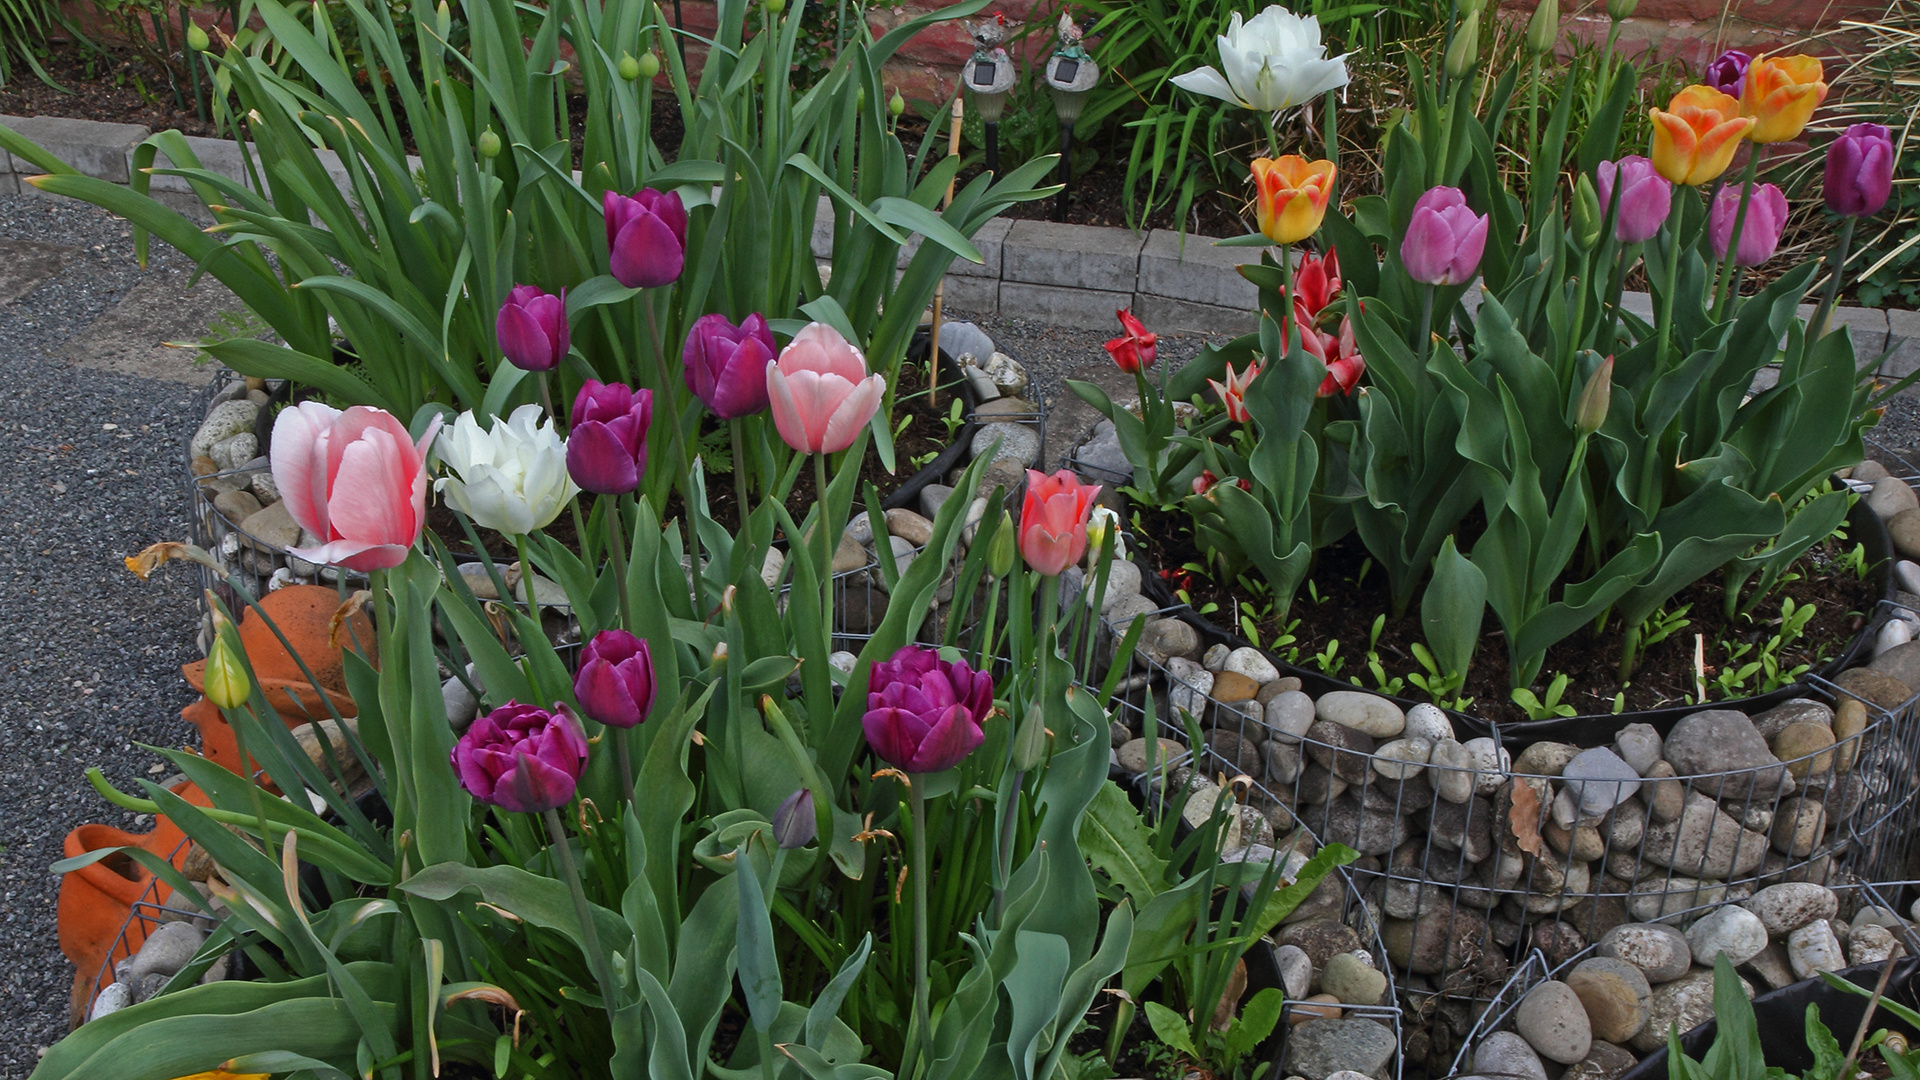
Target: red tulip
1316,281
1344,363
1053,520
1233,393
1134,349
521,758
924,713
355,479
820,391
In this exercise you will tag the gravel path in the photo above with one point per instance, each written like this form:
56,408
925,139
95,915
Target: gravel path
90,472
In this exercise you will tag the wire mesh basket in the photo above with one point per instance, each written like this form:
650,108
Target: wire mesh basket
152,909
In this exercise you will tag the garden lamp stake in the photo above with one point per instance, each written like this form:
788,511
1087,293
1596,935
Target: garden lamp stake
933,335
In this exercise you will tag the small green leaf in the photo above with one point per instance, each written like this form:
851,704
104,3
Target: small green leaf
1170,1029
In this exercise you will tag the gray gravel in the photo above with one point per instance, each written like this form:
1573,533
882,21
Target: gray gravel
89,473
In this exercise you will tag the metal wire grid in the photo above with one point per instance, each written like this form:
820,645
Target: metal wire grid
146,915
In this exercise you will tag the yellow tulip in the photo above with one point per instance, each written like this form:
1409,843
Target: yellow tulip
1780,93
1291,196
1695,136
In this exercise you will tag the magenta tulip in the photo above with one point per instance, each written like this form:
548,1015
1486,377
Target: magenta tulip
646,237
924,713
355,479
820,391
1759,234
522,758
615,682
726,365
1445,239
532,328
1728,72
607,446
1645,197
1860,171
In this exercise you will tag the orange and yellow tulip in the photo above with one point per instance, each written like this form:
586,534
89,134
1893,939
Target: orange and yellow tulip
1780,93
1695,136
1291,196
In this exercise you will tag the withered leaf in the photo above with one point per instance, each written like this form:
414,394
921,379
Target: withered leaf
1524,816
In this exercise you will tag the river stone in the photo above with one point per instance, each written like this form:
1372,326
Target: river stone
112,999
1798,826
1604,1062
1463,827
1401,796
1352,980
1665,796
1582,843
1451,771
1231,686
1133,755
1625,826
1320,939
164,953
1554,1022
1369,714
1660,952
1216,659
1199,810
1163,639
1814,947
1504,1055
1599,780
1269,691
1490,762
1296,971
1289,714
1787,907
1849,720
273,526
1891,496
1427,721
1370,832
1342,750
1436,941
1877,687
236,506
1795,711
1733,931
1807,748
1317,785
1614,994
1188,686
1770,966
1318,1049
1241,755
1018,442
1544,759
224,421
1716,741
1685,1003
1283,763
1902,662
1249,662
1870,944
1705,842
1639,745
1402,758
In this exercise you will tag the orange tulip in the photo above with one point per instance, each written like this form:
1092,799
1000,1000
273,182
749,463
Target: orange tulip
1780,93
1695,136
1291,196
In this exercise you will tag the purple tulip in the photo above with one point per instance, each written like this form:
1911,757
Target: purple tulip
1444,240
1728,72
924,713
1645,197
646,237
522,758
607,447
615,680
1759,234
795,824
532,328
1860,171
726,365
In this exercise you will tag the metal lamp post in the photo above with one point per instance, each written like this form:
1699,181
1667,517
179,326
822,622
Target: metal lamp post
989,77
1071,75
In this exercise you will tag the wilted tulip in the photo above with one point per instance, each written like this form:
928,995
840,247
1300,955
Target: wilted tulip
1291,196
1759,234
1233,392
532,328
1645,197
355,479
924,713
1859,171
1444,240
1728,72
1053,520
513,478
521,758
820,391
646,237
1134,349
607,448
726,365
1695,136
614,684
795,823
1780,93
1273,61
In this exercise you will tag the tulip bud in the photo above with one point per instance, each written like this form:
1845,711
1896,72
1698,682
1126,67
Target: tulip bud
443,19
859,99
649,65
896,105
1587,212
488,144
196,38
775,7
795,824
226,682
1621,9
1591,410
1464,53
720,655
1030,741
1543,30
629,67
1001,552
1468,7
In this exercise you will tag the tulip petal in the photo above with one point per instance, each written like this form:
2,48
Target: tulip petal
786,411
1209,83
646,254
598,462
1427,246
605,696
299,454
852,414
953,736
354,555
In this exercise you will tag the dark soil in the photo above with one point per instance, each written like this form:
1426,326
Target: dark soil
1348,594
115,87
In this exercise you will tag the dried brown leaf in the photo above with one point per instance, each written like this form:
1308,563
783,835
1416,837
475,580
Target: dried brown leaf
1524,816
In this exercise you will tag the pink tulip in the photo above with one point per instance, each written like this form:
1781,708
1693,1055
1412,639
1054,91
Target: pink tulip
354,479
1759,233
1444,240
1053,520
820,391
1645,197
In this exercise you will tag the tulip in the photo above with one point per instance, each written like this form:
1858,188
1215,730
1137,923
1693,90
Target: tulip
1645,197
1781,94
1759,234
1444,240
521,758
614,684
607,448
1543,30
1134,349
1204,483
512,479
355,479
225,680
1001,551
924,713
1344,362
726,365
1463,53
1695,136
1859,171
1053,520
532,328
1585,213
1233,393
1728,72
795,823
1291,195
1102,521
1590,411
1316,281
820,391
1273,61
646,237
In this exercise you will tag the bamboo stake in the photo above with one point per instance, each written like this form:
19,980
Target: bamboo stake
933,347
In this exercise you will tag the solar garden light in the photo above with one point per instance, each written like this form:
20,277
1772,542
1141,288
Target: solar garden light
1071,75
989,77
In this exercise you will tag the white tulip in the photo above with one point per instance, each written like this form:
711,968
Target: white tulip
1273,61
512,479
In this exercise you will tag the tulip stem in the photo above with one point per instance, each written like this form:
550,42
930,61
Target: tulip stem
826,544
695,572
1426,325
1836,268
1288,340
589,937
526,577
1003,856
1679,221
1725,275
739,468
617,554
921,1018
